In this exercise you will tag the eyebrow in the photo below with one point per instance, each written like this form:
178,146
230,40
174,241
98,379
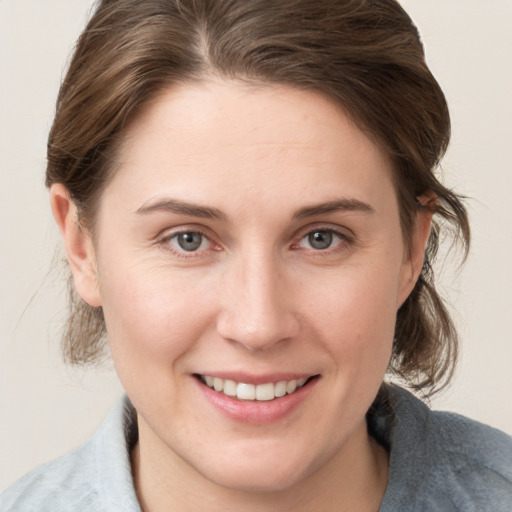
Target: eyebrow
206,212
181,207
343,205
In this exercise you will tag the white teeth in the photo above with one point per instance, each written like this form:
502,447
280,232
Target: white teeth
280,388
265,391
261,392
229,387
291,386
246,391
218,384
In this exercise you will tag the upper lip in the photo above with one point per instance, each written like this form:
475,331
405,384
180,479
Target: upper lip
247,378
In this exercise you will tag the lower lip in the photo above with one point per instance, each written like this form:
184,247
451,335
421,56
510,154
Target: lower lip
253,411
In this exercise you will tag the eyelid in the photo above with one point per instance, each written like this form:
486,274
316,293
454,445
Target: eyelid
167,234
346,236
342,231
174,241
171,231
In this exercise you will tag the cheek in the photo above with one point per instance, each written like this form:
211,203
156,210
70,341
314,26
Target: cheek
153,316
356,312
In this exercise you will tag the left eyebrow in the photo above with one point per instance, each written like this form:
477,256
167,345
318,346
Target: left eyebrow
344,205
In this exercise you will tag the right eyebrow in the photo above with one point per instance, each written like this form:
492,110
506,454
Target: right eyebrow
182,208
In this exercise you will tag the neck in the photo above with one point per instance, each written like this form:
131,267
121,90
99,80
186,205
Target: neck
354,479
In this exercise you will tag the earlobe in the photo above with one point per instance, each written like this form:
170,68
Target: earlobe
413,263
78,245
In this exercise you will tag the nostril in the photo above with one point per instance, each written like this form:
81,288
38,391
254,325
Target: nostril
256,331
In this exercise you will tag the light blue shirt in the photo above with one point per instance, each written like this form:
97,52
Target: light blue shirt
439,462
95,477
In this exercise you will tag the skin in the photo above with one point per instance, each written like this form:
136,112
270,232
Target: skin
256,298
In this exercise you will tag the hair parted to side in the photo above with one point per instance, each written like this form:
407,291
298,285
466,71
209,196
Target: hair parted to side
366,55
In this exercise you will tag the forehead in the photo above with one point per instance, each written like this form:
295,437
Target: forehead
212,140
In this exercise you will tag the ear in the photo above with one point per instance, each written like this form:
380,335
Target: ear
78,245
413,260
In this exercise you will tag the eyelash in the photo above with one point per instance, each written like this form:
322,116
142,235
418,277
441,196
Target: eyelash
165,242
343,240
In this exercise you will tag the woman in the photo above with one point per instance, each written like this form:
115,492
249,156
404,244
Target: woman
247,199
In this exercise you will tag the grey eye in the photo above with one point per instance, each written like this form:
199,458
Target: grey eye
320,239
189,241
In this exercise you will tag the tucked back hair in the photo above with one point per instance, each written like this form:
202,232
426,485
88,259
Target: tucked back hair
366,55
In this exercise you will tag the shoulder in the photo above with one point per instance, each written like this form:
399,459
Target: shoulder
474,459
61,485
461,444
95,477
444,461
474,443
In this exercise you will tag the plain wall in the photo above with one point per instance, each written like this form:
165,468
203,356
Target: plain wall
48,408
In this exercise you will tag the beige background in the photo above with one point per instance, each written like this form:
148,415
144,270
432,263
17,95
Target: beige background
47,408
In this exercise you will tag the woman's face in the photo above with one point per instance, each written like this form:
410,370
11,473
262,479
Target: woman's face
250,239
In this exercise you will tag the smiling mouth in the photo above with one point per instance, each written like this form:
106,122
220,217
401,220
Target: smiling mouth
260,392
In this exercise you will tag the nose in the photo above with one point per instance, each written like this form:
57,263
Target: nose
256,310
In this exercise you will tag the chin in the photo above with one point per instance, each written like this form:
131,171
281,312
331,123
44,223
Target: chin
269,471
259,481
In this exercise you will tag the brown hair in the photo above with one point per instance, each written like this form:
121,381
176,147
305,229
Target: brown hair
366,55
